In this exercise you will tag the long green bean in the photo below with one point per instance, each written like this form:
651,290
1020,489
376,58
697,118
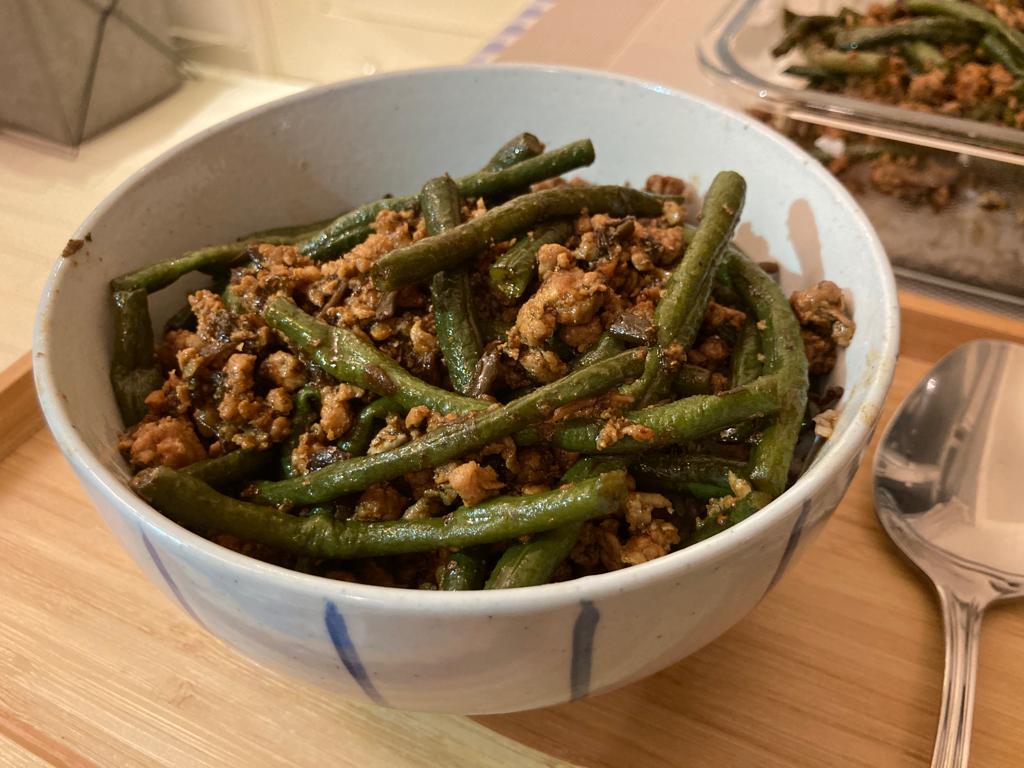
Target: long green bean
785,361
481,184
515,150
422,259
935,30
997,49
512,272
684,296
463,570
360,434
970,13
606,346
746,356
534,562
813,73
798,29
701,476
739,511
451,440
676,422
458,334
229,468
195,505
692,380
133,369
847,62
210,260
347,358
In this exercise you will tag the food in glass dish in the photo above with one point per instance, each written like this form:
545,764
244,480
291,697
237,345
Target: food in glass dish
962,58
505,380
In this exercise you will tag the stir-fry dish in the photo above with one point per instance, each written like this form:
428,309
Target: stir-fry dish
963,58
506,380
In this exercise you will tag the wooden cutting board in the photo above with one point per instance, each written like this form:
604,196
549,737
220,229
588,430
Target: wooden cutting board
839,666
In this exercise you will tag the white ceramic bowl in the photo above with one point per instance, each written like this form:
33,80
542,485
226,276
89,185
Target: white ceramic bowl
318,152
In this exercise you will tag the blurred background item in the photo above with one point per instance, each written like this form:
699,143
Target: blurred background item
72,68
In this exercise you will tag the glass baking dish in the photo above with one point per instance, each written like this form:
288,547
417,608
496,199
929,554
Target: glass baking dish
972,240
736,50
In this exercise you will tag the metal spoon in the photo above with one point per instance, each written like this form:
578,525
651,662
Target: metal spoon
947,491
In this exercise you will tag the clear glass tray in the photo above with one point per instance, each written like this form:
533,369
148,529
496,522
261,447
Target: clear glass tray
736,50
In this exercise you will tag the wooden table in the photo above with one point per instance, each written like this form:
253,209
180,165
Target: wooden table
839,666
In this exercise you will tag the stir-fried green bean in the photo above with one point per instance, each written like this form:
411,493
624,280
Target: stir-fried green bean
449,440
360,434
847,62
463,570
746,357
481,184
230,468
971,13
705,477
512,272
937,30
515,150
422,259
785,361
676,422
684,296
924,57
134,373
346,357
798,29
211,260
534,562
194,504
458,334
1001,52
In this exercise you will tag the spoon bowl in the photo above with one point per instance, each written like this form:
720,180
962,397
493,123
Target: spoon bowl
947,473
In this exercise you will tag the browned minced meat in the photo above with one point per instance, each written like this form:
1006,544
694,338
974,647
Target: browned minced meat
380,502
598,547
280,269
719,316
825,323
168,442
655,540
567,297
335,410
914,179
665,185
473,483
615,264
618,427
284,369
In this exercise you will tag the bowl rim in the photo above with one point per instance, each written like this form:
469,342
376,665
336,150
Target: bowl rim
844,448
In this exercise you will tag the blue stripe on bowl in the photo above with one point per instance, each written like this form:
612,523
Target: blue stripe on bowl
168,580
583,632
346,651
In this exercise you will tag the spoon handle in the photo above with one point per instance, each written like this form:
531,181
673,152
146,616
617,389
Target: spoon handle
961,619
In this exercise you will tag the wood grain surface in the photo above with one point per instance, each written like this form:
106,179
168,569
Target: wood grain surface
839,666
20,416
